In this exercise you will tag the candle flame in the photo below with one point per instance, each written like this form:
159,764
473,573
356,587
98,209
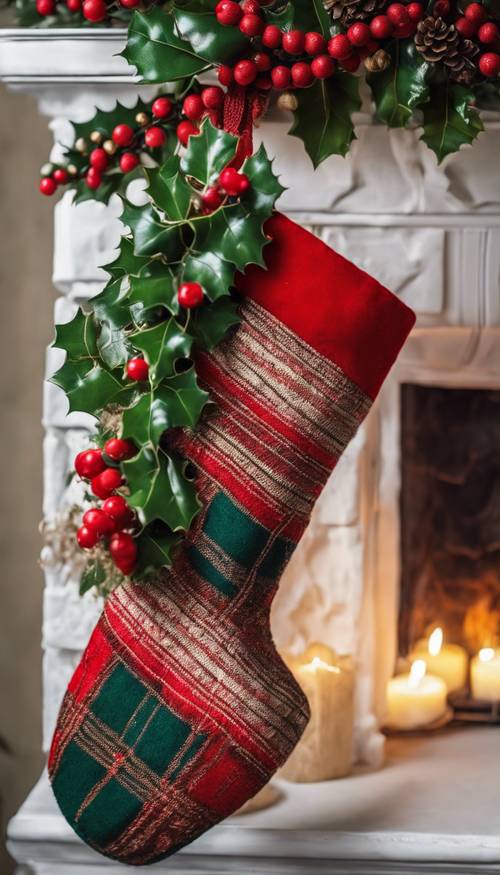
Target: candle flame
486,654
435,642
317,663
417,673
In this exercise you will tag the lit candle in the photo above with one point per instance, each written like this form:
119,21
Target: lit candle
415,699
485,675
446,661
325,750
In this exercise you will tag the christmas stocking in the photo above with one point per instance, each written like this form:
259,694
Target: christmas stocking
181,708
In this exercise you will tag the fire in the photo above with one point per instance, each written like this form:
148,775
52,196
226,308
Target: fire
417,673
435,642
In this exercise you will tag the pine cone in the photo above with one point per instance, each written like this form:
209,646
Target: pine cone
437,40
347,11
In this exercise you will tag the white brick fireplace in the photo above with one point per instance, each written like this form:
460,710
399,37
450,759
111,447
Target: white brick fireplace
432,235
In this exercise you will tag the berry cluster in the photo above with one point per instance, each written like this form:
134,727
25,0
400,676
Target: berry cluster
94,11
98,157
475,24
115,521
197,107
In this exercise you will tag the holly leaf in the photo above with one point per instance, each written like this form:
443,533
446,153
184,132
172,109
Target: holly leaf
210,270
77,337
156,50
400,89
210,324
236,235
208,153
169,190
94,575
449,120
114,345
105,120
323,118
159,489
109,306
265,187
311,15
177,403
89,387
209,39
156,290
163,345
151,235
126,262
155,544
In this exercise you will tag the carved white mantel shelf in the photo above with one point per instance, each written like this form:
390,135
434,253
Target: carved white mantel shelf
432,235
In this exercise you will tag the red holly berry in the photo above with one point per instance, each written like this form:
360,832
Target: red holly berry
123,549
466,28
118,510
339,47
60,175
47,186
232,182
94,10
397,14
106,482
251,25
122,135
351,63
161,107
228,13
251,6
245,72
302,75
476,13
489,64
119,449
129,4
281,77
185,130
322,66
293,42
154,137
74,5
441,8
271,37
137,369
89,463
87,537
45,7
263,82
96,519
359,34
262,61
211,199
315,43
190,295
415,11
488,33
212,97
98,159
93,178
128,162
380,27
225,75
193,107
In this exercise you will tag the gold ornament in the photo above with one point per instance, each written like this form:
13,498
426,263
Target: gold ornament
81,145
96,137
72,170
378,62
142,119
109,147
287,101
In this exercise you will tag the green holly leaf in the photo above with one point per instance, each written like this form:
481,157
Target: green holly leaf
151,235
94,575
311,15
159,489
105,120
177,403
215,275
235,234
400,89
487,96
265,188
156,290
77,337
89,387
109,306
323,118
208,153
209,39
126,262
449,120
154,544
114,346
163,345
157,51
169,190
210,324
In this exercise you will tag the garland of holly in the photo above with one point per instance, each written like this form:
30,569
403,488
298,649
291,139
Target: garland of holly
130,355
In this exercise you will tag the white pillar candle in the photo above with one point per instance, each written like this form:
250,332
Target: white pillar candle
325,750
415,699
446,661
485,675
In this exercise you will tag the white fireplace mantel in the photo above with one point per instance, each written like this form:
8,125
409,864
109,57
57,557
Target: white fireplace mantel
432,235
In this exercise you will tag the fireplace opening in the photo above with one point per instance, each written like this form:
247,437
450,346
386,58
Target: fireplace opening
450,516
